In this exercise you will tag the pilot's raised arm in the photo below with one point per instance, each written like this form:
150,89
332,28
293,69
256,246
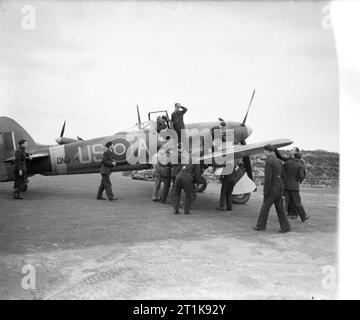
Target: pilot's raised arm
184,109
281,157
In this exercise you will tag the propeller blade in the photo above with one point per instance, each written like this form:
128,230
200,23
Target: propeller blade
138,115
247,112
247,165
63,129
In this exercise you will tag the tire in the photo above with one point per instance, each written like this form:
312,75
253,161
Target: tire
241,198
200,187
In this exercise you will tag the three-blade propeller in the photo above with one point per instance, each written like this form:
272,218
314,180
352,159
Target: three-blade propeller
246,159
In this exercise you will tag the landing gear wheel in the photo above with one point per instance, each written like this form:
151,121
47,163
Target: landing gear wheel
200,187
240,198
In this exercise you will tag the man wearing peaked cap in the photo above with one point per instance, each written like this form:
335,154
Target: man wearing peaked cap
273,191
20,167
177,119
295,174
107,163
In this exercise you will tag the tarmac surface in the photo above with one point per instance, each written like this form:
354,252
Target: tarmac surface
82,248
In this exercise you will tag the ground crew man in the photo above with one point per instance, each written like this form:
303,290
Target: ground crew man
165,176
187,176
177,119
295,174
222,128
107,163
273,192
156,176
227,186
20,167
174,171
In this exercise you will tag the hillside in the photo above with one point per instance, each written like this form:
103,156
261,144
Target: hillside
322,169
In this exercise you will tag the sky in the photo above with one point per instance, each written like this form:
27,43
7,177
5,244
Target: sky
91,63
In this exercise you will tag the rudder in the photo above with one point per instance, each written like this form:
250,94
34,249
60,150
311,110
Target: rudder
10,133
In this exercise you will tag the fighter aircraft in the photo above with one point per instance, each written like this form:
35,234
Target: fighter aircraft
79,156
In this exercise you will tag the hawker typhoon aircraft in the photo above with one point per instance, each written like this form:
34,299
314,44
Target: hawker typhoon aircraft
78,156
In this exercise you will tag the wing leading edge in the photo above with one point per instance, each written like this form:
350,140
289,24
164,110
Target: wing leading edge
241,151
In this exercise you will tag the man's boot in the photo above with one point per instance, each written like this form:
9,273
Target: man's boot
17,194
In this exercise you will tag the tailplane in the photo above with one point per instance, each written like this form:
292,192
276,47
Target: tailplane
10,133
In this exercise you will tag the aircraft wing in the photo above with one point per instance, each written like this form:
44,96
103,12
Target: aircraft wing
241,151
34,157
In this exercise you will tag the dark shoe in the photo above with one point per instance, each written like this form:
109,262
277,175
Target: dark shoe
100,198
176,212
284,231
17,195
256,228
291,216
220,208
306,218
188,212
229,209
155,200
114,199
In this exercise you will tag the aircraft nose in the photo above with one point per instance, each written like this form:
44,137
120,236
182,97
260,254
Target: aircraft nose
249,131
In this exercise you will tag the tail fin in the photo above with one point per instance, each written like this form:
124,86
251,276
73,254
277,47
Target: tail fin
10,133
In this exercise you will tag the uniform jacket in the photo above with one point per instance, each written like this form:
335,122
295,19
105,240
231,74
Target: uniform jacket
177,119
295,172
192,171
274,176
20,159
106,163
165,170
233,177
161,166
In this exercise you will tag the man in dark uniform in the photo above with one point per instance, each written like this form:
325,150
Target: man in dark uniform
165,176
273,192
187,175
174,171
295,174
106,164
227,186
177,119
20,167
